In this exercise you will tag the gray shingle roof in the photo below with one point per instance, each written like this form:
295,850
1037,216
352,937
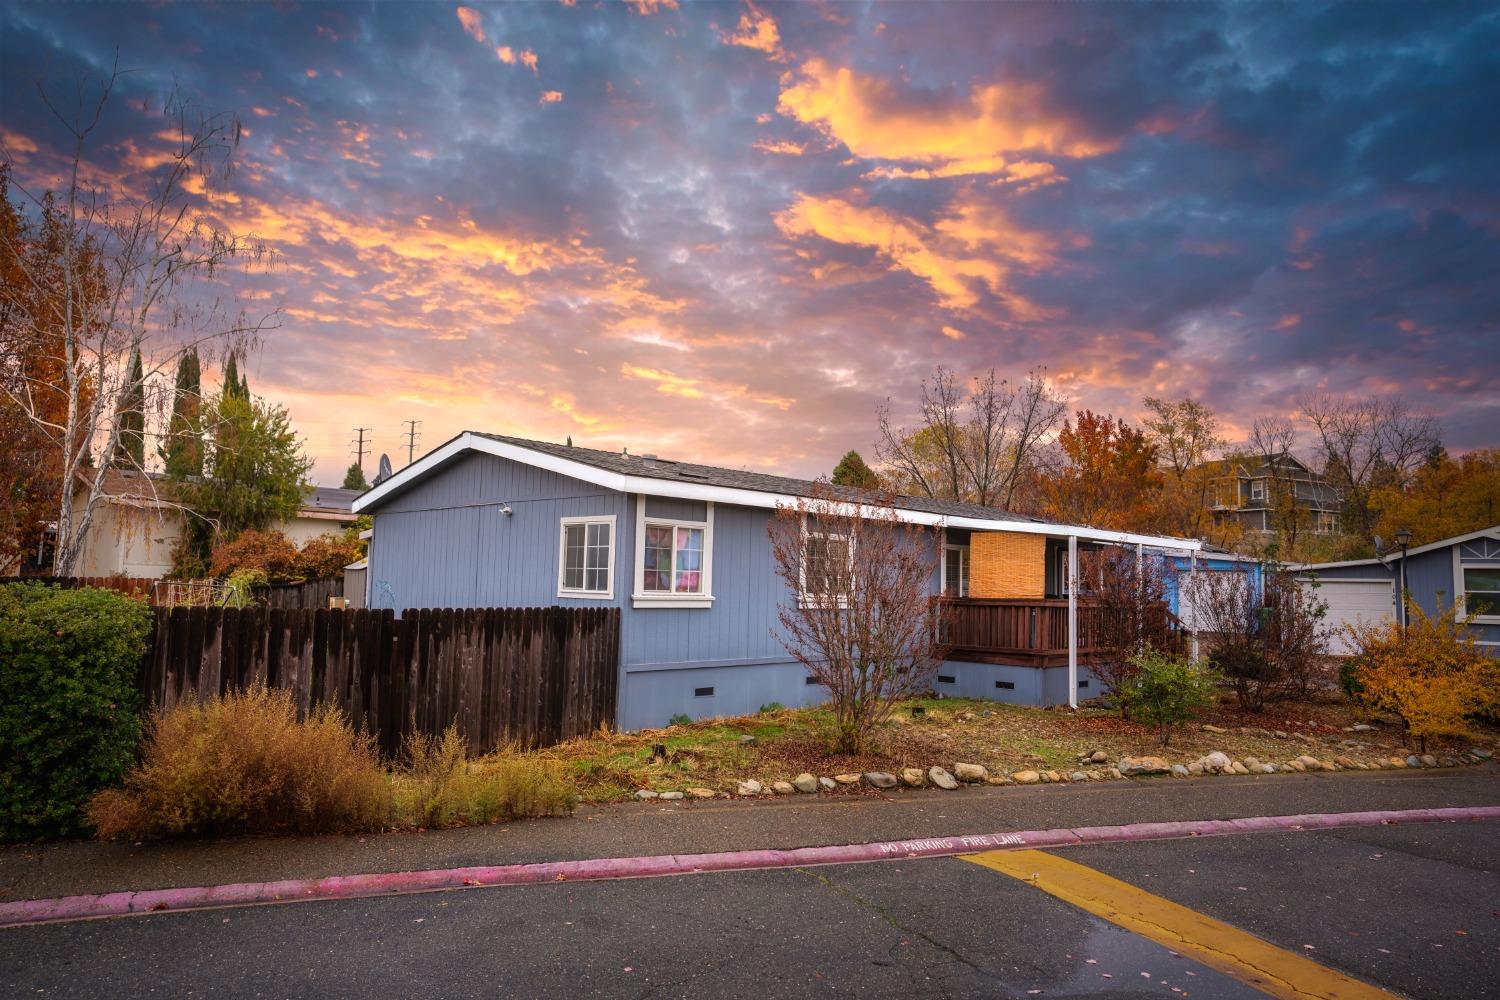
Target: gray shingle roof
739,479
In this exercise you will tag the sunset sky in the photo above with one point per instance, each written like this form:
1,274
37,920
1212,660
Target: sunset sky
728,232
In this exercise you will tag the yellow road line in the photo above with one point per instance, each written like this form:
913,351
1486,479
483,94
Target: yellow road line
1241,956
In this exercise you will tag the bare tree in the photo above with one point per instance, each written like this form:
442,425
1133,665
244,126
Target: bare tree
1366,444
136,270
1185,432
976,441
1267,640
860,613
1127,592
1271,440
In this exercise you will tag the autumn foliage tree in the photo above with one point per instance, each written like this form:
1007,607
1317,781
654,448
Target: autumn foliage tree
859,612
1446,497
1108,477
1430,674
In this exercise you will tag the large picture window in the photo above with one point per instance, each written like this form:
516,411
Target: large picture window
673,567
586,557
1482,591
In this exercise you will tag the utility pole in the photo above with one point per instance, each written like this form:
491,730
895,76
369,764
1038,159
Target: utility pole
411,439
359,445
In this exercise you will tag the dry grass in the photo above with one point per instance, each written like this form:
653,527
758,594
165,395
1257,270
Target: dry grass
439,786
1004,738
245,764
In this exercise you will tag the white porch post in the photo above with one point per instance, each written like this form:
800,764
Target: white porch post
1072,621
1182,605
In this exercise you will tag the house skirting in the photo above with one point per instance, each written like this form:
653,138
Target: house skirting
651,694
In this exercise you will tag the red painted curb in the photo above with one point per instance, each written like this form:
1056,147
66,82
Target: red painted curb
120,904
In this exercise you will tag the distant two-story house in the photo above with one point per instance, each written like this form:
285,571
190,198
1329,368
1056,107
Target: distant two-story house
1249,491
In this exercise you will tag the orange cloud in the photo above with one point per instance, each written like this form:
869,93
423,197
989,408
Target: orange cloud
969,249
783,148
1287,322
472,23
647,7
665,381
978,133
550,97
528,59
756,30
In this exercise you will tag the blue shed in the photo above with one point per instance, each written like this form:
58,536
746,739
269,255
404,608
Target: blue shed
684,551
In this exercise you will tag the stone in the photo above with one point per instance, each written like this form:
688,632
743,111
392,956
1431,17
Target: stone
1345,761
881,779
782,787
1216,761
805,783
1078,776
1482,753
970,772
748,741
1052,776
1310,763
1267,768
1213,729
913,777
1195,768
846,779
1295,765
1238,768
1362,727
998,779
1395,762
1280,734
1098,757
671,796
941,778
1413,761
645,793
1132,766
1115,772
827,784
1252,762
1428,760
1096,776
1180,771
1026,777
751,787
702,793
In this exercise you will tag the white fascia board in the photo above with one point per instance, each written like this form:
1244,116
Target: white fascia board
1346,564
1491,532
677,490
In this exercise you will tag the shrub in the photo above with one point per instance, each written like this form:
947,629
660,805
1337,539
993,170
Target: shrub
1164,690
1429,674
680,719
440,786
774,706
243,763
69,719
271,552
325,557
1265,640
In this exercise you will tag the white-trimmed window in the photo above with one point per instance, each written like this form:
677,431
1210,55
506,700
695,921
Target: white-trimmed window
586,560
956,570
673,560
1257,489
1482,590
827,563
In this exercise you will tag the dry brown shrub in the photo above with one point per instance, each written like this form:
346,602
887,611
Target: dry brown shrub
439,786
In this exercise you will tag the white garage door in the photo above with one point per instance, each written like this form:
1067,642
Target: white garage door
1353,602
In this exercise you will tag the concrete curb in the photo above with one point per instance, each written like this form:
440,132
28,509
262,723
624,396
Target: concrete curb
134,903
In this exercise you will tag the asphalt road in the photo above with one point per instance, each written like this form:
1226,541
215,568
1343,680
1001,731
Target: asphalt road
1414,910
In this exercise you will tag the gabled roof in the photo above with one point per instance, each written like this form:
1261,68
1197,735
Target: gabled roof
691,481
1493,531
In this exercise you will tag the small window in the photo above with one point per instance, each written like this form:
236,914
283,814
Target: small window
1083,684
703,692
811,679
673,560
946,679
956,570
827,563
1006,685
1482,591
586,557
1257,490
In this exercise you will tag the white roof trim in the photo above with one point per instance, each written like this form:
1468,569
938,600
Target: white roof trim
725,494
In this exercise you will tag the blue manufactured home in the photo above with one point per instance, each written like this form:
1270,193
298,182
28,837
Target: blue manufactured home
683,550
1464,569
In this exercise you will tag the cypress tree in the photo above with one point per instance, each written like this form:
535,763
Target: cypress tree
130,445
183,454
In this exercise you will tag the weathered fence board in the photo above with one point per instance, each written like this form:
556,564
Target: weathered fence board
531,676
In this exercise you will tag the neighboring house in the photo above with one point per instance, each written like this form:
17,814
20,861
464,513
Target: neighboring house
683,550
1464,569
135,530
1247,491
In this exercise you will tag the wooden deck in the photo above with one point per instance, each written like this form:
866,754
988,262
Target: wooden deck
1023,632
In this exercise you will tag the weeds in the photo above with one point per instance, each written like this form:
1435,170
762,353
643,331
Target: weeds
439,786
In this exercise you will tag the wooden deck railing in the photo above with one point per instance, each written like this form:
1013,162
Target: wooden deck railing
1030,632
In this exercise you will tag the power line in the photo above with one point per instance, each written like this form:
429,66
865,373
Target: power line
359,445
411,439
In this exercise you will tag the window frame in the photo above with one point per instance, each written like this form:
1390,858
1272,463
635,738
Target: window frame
641,597
963,568
805,598
1492,616
564,591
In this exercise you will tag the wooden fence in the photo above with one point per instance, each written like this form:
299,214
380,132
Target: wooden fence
531,676
135,586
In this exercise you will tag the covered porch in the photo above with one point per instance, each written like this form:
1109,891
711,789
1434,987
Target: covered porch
1015,598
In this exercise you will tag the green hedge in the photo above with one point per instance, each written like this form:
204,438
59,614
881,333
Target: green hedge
69,705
